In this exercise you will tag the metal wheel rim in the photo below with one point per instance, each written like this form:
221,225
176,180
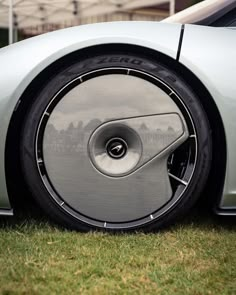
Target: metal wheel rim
60,200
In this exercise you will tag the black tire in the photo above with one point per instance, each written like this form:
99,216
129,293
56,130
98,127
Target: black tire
144,65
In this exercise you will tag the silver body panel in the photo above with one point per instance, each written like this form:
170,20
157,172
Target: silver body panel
210,53
6,212
202,52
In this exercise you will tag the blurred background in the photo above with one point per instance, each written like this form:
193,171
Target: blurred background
27,18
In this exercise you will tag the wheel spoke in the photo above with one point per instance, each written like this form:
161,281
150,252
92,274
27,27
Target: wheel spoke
178,179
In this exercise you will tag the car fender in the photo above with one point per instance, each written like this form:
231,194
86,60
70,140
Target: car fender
22,62
211,56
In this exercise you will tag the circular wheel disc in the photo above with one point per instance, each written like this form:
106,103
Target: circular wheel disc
116,148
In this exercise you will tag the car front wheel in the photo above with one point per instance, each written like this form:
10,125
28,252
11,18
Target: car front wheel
116,142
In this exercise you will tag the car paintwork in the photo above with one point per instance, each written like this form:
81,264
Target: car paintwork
216,13
201,52
211,56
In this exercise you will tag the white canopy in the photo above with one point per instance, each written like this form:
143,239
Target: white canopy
26,13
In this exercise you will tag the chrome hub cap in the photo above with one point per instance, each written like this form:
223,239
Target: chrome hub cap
116,157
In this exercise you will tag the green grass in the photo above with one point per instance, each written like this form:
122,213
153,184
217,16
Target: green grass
197,256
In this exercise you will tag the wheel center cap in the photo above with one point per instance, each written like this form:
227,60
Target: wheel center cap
116,148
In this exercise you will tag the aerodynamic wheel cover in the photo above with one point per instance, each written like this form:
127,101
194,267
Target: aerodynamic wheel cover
133,111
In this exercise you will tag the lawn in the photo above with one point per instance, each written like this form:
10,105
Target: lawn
196,256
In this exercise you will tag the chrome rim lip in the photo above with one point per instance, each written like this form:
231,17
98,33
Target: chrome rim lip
39,154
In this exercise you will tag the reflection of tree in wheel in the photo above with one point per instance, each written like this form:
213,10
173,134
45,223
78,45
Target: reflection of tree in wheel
92,125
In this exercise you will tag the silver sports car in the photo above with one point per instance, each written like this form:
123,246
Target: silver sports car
120,126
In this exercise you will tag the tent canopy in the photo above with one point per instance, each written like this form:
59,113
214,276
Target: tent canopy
26,13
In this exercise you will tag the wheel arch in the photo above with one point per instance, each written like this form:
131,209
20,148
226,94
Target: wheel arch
14,178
